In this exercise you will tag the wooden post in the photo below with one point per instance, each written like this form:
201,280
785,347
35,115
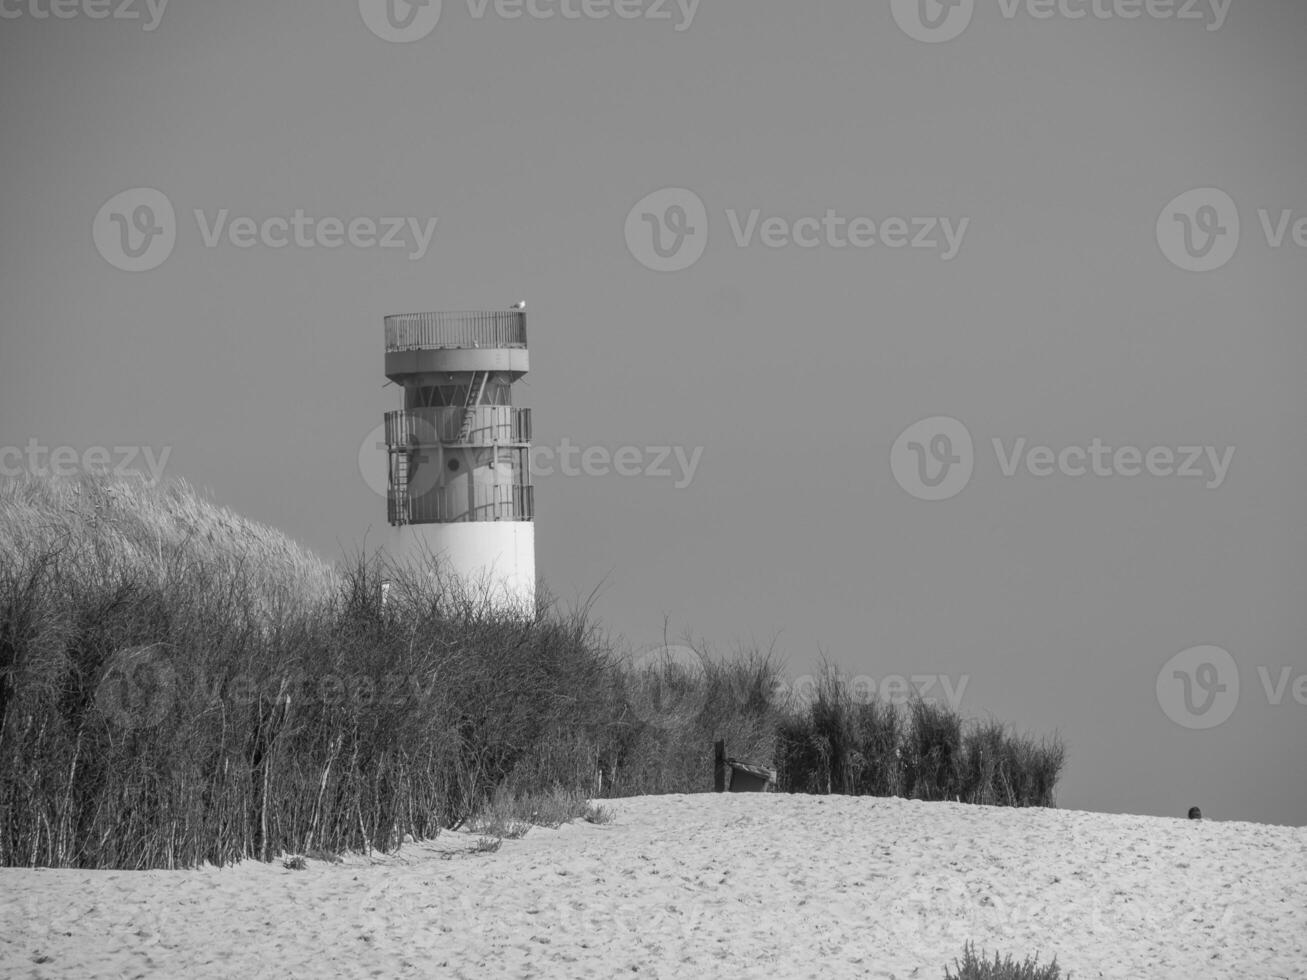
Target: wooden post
719,766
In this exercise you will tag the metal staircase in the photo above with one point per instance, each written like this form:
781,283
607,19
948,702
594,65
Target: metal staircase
470,407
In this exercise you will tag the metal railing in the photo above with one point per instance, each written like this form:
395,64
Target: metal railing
491,425
427,331
448,505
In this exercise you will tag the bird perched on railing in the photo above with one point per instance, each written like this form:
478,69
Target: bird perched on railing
520,306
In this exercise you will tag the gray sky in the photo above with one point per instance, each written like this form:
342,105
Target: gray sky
1062,318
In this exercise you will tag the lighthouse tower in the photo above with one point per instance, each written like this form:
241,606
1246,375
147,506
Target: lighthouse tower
459,452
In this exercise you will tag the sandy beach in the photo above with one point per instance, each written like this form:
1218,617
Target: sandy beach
705,886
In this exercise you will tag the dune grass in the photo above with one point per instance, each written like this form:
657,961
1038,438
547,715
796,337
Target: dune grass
179,685
919,749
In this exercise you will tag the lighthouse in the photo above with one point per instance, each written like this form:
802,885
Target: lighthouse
458,451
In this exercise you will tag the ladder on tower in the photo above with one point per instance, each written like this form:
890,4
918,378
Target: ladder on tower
399,486
470,407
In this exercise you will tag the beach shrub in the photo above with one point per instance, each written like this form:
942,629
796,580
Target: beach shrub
667,719
180,685
839,742
932,752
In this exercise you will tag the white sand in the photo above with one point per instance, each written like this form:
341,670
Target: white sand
709,886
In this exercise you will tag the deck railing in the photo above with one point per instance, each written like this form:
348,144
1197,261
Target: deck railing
491,425
427,331
447,505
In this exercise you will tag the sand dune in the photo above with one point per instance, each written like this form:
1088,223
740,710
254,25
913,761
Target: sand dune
771,886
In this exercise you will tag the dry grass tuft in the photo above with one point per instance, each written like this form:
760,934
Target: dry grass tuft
512,814
975,967
597,814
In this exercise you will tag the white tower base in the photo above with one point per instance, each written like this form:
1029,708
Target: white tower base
495,559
